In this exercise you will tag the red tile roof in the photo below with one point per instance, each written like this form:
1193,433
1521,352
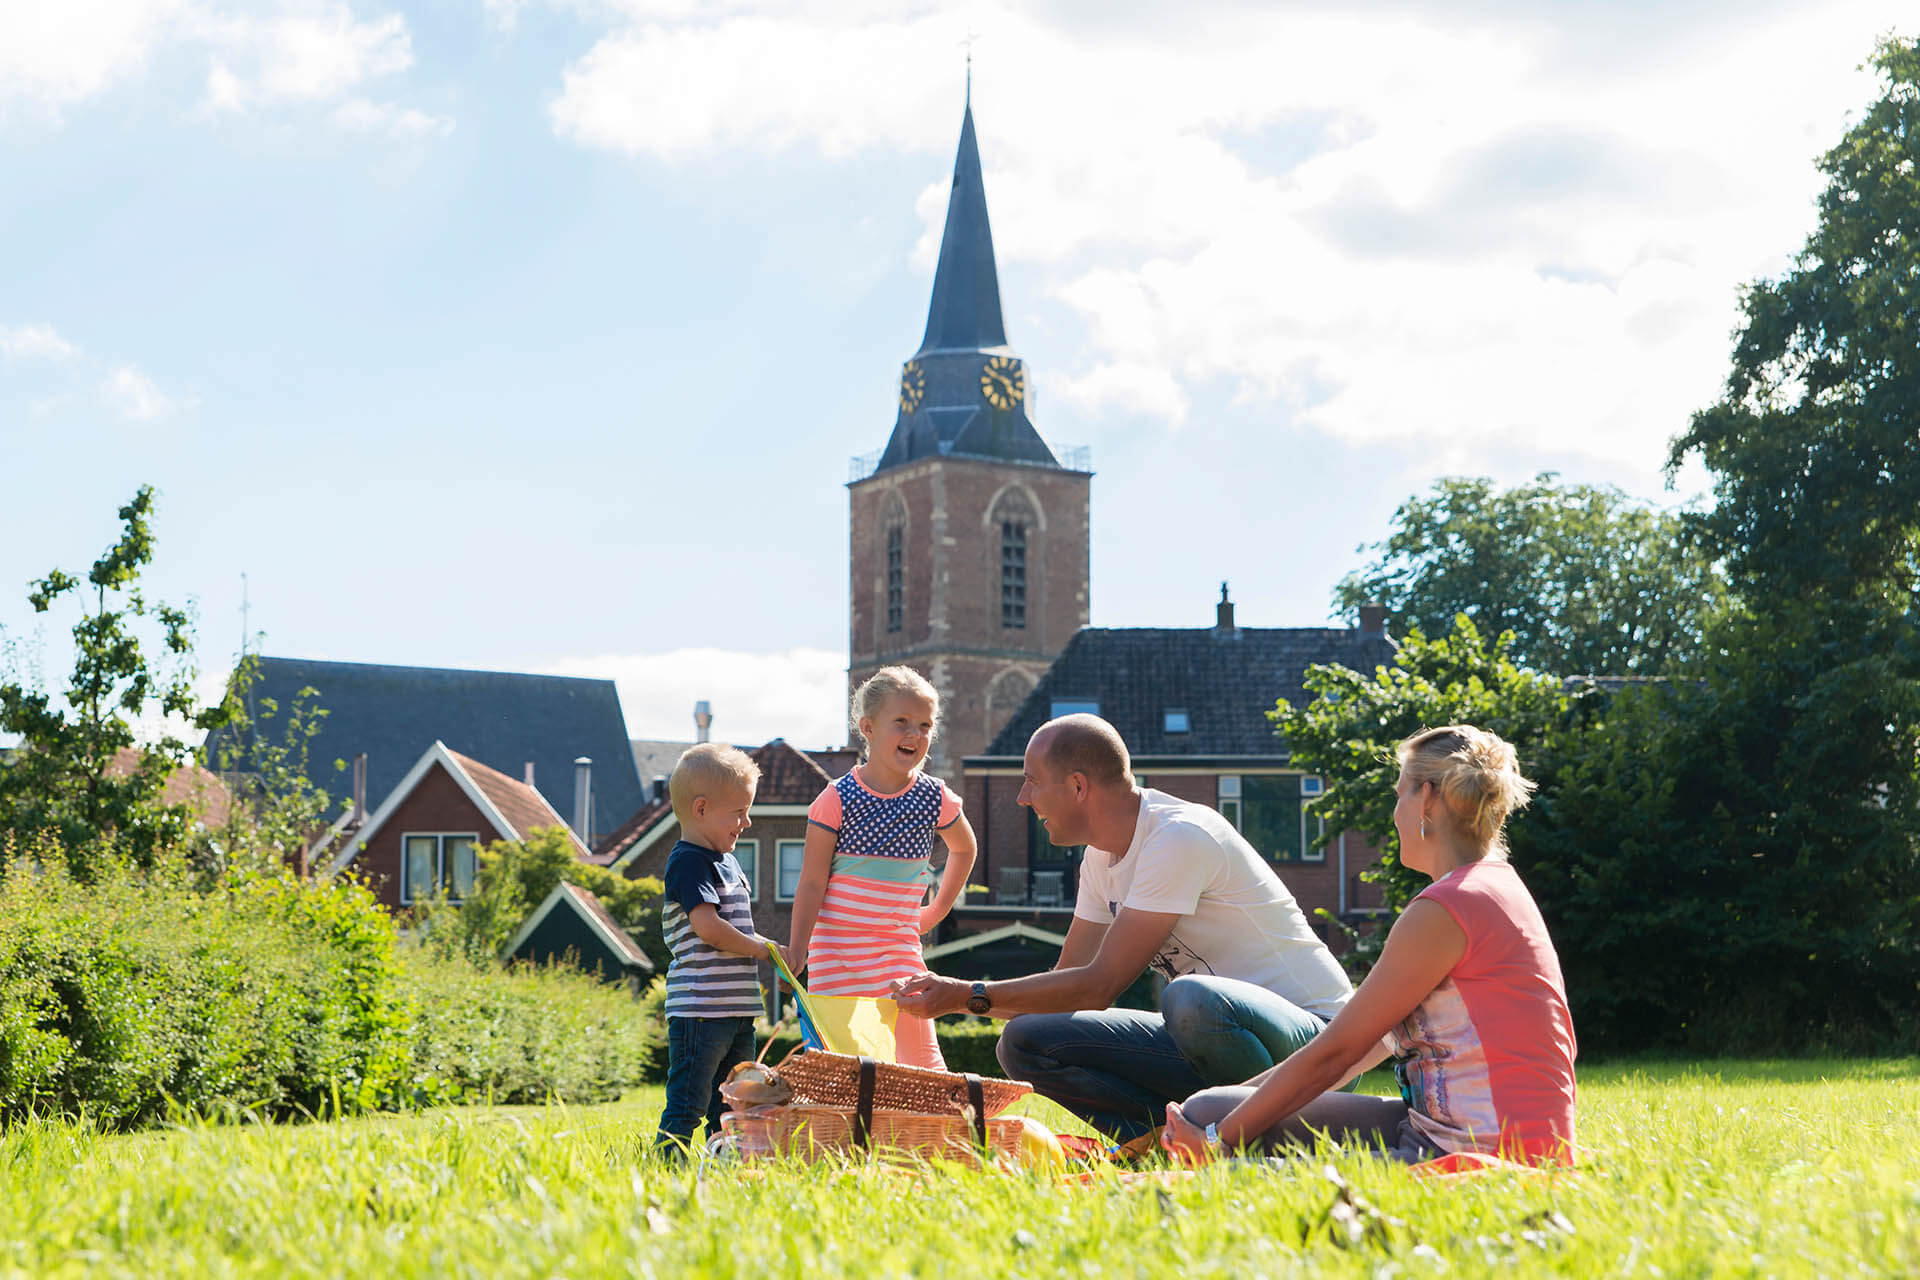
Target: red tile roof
788,775
521,805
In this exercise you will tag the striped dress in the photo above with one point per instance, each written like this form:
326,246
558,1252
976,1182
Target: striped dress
868,932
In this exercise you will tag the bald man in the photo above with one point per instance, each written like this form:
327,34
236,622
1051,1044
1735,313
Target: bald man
1165,883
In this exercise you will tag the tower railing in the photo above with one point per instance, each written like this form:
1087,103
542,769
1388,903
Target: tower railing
1071,457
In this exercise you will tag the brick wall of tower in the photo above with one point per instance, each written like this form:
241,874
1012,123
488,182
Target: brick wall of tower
949,512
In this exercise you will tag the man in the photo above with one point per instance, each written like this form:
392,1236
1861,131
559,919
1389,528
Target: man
1166,883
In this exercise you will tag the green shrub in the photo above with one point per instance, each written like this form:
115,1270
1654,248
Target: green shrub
137,998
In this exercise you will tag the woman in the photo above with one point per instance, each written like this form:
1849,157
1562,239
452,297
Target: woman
1467,995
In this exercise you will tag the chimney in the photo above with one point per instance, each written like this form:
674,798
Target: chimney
583,799
660,786
702,720
1223,612
1373,620
360,790
527,775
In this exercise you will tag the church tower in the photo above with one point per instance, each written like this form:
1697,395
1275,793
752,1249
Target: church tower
969,535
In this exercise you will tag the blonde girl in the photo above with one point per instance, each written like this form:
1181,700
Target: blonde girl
860,908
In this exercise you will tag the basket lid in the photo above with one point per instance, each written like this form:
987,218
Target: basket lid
833,1080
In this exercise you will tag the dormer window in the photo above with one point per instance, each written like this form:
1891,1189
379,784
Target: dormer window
1176,720
1075,706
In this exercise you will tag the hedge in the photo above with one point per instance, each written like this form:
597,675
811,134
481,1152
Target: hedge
136,999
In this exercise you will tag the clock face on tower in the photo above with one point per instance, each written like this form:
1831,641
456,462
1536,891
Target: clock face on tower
1003,382
913,386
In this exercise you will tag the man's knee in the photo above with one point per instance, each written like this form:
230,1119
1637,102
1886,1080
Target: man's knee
1017,1051
1184,1000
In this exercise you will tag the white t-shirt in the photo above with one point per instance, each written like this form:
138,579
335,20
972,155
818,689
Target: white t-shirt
1240,920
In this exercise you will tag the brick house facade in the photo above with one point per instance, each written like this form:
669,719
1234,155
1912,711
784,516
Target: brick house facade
423,839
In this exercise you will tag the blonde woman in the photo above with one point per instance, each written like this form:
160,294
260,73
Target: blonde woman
1467,996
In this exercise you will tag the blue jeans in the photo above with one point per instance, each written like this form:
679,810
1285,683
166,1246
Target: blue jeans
1117,1069
700,1053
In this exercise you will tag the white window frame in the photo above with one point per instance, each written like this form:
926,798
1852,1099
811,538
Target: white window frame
780,849
440,877
746,851
1228,802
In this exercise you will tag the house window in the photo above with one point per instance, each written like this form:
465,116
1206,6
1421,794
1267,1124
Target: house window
1013,574
896,578
1075,706
1176,720
747,854
791,856
1274,815
438,865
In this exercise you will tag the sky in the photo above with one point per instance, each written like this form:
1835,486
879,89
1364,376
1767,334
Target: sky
537,334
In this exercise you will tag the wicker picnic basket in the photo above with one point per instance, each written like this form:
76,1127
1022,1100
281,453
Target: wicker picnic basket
844,1104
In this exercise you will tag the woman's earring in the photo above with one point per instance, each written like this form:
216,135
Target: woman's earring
1423,828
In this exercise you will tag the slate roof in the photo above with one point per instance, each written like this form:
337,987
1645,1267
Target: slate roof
655,758
1225,680
965,329
501,718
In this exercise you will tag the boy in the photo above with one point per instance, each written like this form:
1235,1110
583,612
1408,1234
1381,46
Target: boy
713,984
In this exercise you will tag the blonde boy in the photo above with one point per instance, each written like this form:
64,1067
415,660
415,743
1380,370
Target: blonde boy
713,985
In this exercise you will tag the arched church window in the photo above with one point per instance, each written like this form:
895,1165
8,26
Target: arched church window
1013,574
896,578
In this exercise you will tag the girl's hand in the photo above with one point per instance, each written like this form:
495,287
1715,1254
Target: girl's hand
929,918
796,962
1184,1140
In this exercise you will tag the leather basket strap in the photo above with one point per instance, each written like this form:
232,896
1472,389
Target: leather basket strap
977,1099
863,1109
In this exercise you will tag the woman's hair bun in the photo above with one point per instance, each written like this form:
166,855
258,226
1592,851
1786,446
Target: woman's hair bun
1476,772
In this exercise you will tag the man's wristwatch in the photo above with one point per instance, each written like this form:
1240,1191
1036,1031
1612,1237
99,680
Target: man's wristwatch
977,1001
1212,1136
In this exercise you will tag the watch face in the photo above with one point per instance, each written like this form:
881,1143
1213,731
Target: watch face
1003,382
913,386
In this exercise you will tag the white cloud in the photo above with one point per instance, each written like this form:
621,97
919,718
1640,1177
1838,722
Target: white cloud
57,54
798,694
34,342
361,116
1474,226
134,395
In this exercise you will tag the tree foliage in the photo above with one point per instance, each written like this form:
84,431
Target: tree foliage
517,875
132,658
1587,580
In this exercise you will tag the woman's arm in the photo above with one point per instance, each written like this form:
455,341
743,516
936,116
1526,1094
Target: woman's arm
961,848
1421,951
816,863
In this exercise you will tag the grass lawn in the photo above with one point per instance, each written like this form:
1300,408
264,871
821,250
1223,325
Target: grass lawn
1729,1168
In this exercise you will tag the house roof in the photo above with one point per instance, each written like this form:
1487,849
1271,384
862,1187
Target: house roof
655,758
505,719
582,902
509,806
188,784
788,776
1225,678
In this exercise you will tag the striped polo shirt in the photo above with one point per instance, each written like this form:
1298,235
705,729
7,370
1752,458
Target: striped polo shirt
704,981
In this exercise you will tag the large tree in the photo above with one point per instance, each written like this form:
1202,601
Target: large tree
1588,580
1809,755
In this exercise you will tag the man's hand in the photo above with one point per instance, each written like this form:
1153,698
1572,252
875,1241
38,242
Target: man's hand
928,995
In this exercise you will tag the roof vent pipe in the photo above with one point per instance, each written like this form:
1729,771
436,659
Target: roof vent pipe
702,720
583,798
360,790
1373,620
528,776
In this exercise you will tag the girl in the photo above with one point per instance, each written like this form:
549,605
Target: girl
858,913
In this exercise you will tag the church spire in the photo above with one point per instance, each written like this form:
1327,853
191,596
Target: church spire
965,315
